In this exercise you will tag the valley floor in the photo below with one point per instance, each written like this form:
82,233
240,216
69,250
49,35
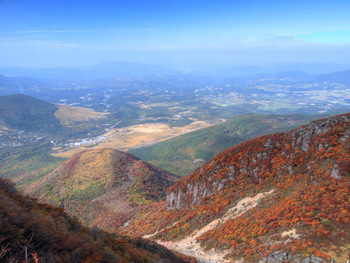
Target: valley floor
135,136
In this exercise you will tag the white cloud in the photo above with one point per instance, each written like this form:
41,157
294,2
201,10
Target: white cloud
86,30
16,42
30,31
76,31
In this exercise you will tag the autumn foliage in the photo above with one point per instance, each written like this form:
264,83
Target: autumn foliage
308,170
34,232
103,187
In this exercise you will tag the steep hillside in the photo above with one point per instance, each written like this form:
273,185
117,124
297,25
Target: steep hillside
33,232
276,198
103,187
26,113
183,154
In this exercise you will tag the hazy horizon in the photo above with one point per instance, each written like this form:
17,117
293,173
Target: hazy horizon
174,34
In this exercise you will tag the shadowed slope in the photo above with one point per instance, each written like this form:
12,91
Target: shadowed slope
26,113
31,231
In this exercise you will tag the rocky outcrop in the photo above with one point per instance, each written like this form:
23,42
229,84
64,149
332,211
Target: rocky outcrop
281,256
291,147
304,218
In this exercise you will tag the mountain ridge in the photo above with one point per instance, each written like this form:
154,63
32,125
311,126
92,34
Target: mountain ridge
304,179
109,69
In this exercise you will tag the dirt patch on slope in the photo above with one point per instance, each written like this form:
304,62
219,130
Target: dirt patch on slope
68,115
190,246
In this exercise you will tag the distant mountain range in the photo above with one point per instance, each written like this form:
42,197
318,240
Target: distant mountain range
113,69
48,83
119,69
246,70
336,77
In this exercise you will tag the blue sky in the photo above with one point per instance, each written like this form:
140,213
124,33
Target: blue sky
40,33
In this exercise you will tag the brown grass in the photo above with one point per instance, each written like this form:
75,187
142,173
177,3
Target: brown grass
68,115
138,136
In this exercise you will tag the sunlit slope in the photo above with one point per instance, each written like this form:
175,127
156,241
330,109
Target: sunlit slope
135,136
70,115
103,187
28,127
283,196
183,154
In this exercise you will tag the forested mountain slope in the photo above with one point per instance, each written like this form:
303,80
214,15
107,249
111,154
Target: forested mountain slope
34,232
26,113
277,198
102,187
